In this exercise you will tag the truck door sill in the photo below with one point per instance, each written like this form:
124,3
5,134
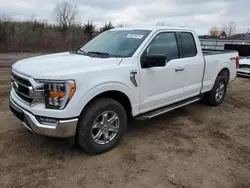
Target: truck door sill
157,112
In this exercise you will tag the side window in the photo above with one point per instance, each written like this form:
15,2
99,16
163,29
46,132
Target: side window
164,44
188,45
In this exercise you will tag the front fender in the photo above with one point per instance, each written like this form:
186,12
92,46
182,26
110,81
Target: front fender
95,91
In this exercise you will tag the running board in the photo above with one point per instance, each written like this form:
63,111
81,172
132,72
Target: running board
166,109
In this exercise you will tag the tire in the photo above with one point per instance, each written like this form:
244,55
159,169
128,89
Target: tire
95,113
213,98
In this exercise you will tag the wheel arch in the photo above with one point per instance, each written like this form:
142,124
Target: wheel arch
223,70
118,92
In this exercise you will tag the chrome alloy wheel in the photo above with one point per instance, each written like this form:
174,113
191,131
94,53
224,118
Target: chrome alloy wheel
220,91
105,127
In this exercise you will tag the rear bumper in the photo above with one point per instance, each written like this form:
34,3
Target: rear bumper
62,128
243,73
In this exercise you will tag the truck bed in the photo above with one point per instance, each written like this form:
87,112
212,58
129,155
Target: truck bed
216,52
213,58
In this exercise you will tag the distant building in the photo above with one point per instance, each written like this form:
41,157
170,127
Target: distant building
240,36
219,34
205,37
215,35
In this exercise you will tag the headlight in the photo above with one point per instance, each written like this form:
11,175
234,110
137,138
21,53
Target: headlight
58,93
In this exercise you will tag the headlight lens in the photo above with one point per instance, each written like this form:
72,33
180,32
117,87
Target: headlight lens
58,93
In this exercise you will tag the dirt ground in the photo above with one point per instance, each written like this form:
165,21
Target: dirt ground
195,146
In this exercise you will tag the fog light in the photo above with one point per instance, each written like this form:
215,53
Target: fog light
47,121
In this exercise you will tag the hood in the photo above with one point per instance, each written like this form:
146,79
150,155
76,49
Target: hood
62,64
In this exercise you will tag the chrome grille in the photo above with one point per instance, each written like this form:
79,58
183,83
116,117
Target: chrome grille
22,87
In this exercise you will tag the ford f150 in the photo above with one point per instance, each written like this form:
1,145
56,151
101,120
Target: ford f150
129,72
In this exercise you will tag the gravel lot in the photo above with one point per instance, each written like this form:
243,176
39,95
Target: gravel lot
195,146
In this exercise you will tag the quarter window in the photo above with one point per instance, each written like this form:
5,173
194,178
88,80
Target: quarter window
188,45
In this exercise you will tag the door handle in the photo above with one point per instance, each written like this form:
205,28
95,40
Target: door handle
179,69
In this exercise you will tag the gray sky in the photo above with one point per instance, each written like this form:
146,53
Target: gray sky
196,14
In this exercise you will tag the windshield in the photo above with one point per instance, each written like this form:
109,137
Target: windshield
116,43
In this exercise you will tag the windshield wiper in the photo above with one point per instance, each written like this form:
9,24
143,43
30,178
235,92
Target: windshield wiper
79,51
102,54
99,53
82,51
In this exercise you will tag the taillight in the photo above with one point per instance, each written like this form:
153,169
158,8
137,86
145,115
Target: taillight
237,62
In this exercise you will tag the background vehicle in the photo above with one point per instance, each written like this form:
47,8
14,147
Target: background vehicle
244,67
122,73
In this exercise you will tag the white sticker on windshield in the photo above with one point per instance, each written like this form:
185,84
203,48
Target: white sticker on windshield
135,36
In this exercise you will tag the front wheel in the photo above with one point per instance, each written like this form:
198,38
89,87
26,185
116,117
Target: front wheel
216,96
101,126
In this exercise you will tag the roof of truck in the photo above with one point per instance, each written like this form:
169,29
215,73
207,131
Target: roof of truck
154,28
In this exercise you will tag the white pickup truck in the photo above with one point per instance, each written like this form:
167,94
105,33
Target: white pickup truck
122,73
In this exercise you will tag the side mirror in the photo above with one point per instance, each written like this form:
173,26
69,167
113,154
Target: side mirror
153,61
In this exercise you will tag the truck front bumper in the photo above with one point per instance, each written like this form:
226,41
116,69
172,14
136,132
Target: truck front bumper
61,128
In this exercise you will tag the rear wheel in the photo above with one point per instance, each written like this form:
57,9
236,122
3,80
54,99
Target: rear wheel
101,126
216,96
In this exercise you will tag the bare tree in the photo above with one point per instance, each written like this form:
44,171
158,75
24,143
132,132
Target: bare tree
160,23
65,14
7,28
107,26
4,17
124,24
89,29
213,31
230,28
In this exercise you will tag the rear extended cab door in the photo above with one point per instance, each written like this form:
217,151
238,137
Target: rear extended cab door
191,63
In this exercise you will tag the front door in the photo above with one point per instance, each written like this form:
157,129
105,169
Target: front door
161,86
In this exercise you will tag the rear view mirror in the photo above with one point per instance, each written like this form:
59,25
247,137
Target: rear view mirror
153,61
